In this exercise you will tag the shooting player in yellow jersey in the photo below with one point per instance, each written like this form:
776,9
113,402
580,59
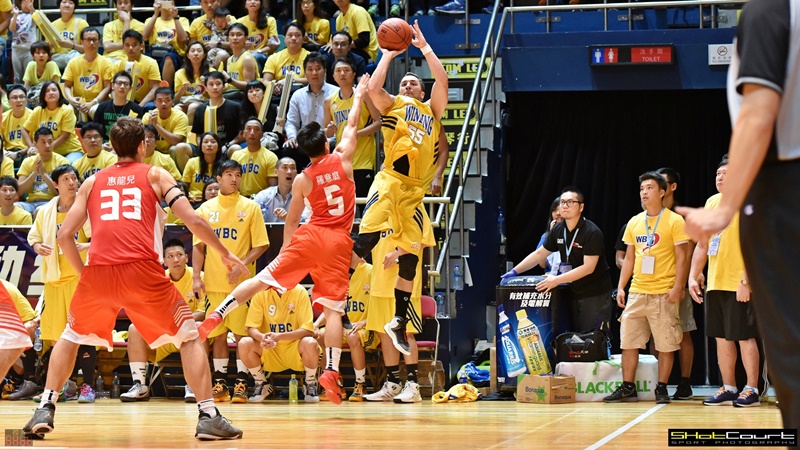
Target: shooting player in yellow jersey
239,224
411,131
181,276
280,337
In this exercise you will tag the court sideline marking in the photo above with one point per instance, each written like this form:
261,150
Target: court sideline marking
625,427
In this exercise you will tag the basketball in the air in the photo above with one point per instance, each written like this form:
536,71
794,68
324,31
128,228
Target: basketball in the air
395,34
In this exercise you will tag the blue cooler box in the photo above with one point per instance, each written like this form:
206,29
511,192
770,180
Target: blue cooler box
543,310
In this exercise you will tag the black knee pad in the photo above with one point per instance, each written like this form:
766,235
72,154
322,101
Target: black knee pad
365,242
407,265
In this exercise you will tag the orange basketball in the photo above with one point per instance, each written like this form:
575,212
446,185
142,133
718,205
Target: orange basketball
395,34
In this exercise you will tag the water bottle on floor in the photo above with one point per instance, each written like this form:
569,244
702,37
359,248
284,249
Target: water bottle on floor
99,384
115,386
441,305
37,342
293,389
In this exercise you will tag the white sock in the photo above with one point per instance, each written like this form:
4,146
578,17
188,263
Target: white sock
258,373
360,375
333,354
746,387
48,396
207,406
311,375
733,389
138,371
227,305
221,365
240,367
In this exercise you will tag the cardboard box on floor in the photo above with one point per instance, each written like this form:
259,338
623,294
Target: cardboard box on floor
546,389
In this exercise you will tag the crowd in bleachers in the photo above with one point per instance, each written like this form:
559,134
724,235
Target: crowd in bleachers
196,85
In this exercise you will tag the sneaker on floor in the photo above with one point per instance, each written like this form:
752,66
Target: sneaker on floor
323,396
86,395
621,394
220,391
137,393
662,396
373,11
683,392
41,422
359,391
310,392
721,397
261,391
9,387
747,398
431,12
239,391
453,7
188,395
25,391
215,428
70,391
331,380
394,11
409,394
396,329
387,393
419,13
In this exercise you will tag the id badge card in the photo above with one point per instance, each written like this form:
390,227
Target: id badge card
648,264
713,246
564,268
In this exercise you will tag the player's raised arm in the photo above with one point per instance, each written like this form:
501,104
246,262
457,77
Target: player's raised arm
181,207
301,187
76,217
380,98
438,97
347,147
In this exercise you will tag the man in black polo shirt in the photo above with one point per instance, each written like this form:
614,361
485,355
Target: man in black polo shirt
583,267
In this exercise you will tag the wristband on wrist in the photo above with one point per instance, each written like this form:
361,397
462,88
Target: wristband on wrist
427,49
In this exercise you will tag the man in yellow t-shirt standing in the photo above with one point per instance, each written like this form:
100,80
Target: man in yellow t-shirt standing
357,22
730,316
239,224
656,256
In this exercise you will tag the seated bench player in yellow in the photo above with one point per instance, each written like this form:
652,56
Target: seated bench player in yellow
139,352
357,338
280,337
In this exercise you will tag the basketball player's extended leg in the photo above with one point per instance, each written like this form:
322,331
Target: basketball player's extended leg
8,357
331,380
62,360
407,269
240,295
196,371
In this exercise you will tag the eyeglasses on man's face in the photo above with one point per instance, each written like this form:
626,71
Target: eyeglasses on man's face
569,203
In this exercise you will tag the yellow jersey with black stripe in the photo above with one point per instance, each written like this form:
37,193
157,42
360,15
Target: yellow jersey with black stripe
358,293
271,312
410,134
431,172
364,158
239,225
184,286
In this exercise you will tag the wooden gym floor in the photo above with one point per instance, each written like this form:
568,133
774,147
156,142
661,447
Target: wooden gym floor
162,423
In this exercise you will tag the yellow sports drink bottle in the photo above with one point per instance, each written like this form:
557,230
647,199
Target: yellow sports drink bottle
530,341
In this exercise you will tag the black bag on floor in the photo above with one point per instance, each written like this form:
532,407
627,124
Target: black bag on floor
591,346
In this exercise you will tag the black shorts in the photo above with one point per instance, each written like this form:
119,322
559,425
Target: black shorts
729,319
588,313
363,179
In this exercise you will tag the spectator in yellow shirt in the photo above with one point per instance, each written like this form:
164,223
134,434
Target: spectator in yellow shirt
112,32
289,60
41,69
69,29
166,32
10,214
